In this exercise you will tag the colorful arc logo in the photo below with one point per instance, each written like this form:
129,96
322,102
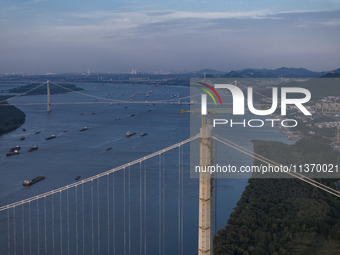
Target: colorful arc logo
208,92
204,98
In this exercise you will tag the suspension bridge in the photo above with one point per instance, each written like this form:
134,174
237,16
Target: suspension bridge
83,217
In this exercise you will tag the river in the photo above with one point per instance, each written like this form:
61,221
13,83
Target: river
74,153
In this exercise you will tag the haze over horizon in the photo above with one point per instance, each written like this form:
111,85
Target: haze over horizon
41,36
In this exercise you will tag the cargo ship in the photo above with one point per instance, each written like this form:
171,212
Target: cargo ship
77,178
22,138
51,137
83,129
35,180
128,134
16,148
143,134
34,148
108,148
12,153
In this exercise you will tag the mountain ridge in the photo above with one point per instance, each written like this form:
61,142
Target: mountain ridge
282,72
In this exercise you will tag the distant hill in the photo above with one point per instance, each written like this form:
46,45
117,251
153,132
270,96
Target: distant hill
280,72
209,71
233,74
284,72
250,73
210,76
318,87
331,75
336,70
296,72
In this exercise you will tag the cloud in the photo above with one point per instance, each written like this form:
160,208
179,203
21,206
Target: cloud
100,28
159,13
173,38
103,25
333,22
153,22
139,6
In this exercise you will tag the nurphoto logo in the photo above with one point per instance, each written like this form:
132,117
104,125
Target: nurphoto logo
239,102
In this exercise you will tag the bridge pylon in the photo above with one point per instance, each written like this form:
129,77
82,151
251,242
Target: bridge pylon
48,97
205,227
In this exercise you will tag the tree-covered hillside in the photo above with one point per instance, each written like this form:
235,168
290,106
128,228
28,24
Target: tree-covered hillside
10,117
284,216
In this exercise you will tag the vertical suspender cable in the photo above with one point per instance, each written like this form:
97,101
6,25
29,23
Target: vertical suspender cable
82,205
163,203
38,225
140,210
129,210
29,226
124,218
182,172
113,215
98,215
61,225
145,207
215,189
8,235
53,223
15,248
23,229
76,195
179,202
108,214
45,225
159,205
92,215
68,223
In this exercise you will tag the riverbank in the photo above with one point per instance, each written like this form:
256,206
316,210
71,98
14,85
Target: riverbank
11,117
284,216
43,90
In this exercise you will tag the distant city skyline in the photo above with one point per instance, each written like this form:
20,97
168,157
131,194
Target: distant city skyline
41,36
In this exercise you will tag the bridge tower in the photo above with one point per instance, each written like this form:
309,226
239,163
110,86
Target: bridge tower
48,97
205,228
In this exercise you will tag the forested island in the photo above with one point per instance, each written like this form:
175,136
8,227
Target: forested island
285,216
43,89
11,117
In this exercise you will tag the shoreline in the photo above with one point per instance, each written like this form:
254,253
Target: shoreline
11,117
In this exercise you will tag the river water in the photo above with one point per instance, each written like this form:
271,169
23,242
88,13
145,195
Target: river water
75,153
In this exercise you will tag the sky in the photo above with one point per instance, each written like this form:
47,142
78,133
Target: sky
65,36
